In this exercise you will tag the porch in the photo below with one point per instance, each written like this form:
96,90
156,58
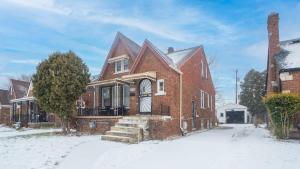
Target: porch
27,112
129,95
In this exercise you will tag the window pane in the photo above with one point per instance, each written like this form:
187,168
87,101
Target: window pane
118,66
161,86
105,96
125,64
126,94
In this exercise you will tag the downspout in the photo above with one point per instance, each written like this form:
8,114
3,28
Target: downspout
94,104
180,103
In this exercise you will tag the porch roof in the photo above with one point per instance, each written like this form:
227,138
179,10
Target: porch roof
145,75
126,79
22,99
107,82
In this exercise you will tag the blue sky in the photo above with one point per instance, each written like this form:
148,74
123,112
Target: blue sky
232,32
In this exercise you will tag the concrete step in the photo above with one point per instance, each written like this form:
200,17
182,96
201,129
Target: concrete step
123,134
137,121
127,124
126,129
119,139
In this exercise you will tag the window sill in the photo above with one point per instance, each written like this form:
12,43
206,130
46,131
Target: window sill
126,71
160,94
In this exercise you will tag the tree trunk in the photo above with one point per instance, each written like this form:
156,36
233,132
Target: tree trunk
68,127
64,126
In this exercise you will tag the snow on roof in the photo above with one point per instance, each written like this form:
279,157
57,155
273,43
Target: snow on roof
289,57
178,56
164,56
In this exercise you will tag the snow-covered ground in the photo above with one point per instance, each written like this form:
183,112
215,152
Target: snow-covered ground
227,147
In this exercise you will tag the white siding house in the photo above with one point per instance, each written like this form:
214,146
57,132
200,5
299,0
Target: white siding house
233,113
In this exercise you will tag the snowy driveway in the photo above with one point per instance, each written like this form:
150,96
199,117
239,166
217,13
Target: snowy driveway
227,147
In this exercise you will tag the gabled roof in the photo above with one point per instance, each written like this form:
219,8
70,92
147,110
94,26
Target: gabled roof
4,97
289,56
166,58
131,46
180,56
173,59
19,87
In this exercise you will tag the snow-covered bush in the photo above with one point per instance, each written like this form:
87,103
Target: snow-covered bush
282,108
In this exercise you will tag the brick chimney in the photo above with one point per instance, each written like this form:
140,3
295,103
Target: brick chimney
170,49
273,48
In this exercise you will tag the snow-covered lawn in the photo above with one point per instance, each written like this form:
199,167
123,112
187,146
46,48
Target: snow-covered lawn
227,147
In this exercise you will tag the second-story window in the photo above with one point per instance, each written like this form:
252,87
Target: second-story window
202,99
202,69
121,66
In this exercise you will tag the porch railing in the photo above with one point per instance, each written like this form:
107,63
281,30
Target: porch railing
99,111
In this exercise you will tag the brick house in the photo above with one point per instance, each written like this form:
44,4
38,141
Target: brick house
283,69
4,107
24,107
165,94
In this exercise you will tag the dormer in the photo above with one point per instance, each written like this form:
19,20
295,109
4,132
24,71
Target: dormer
121,63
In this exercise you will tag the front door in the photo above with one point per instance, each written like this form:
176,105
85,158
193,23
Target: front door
145,96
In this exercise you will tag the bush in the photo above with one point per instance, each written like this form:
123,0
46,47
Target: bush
282,108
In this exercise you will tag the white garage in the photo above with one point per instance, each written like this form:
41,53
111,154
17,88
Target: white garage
233,113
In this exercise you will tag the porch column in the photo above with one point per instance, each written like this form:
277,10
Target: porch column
94,100
29,111
20,111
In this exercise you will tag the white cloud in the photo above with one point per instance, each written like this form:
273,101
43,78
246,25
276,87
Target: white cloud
258,50
25,61
44,5
169,26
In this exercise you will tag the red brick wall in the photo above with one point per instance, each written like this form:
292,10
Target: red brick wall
110,69
292,85
102,124
150,62
5,115
162,129
192,84
274,48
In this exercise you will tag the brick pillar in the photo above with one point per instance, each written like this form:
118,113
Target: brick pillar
274,48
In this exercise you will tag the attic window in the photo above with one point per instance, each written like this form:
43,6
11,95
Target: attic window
121,66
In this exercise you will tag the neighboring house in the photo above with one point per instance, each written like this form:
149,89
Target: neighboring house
283,72
4,107
24,107
233,113
171,92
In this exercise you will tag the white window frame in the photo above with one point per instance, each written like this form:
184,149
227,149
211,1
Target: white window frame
126,97
208,100
202,99
211,102
160,93
123,70
206,72
102,96
202,69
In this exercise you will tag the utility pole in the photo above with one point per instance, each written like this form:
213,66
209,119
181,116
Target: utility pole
236,86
